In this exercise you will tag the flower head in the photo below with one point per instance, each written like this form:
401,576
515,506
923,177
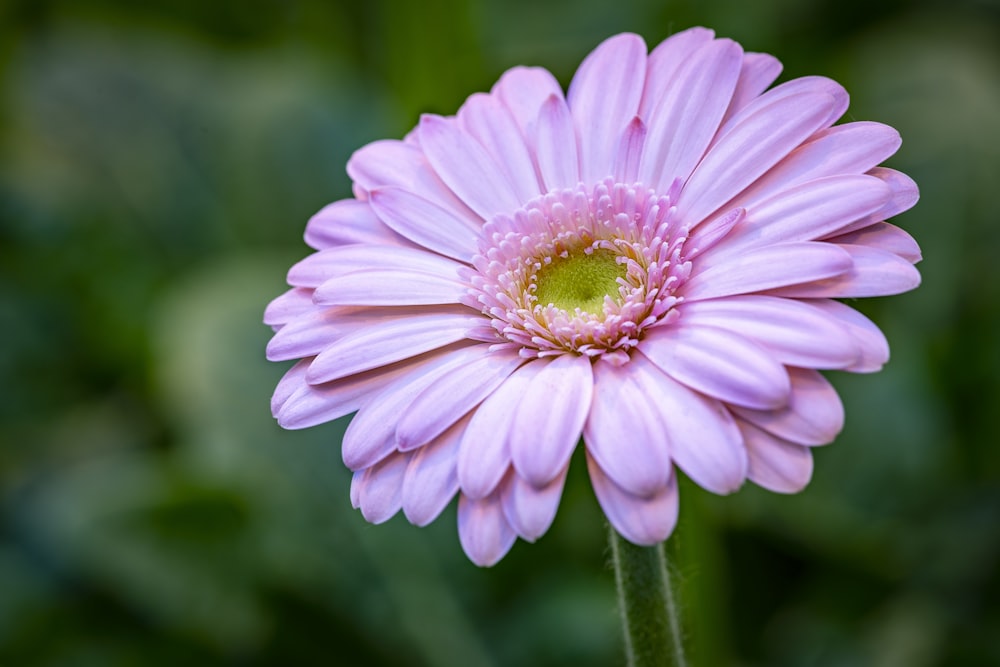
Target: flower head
650,261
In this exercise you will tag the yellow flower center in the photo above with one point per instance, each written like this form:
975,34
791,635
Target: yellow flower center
580,280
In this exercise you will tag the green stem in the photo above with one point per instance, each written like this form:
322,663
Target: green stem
649,612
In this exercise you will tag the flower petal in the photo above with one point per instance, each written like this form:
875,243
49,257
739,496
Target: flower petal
290,305
766,268
629,155
347,222
813,416
390,287
380,488
870,339
466,168
443,403
719,363
642,520
875,272
795,332
805,84
883,236
531,509
426,223
405,336
665,60
604,96
776,464
624,431
524,90
757,72
555,145
431,478
681,127
484,455
704,440
487,119
550,417
483,530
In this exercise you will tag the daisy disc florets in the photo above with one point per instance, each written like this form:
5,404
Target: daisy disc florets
651,262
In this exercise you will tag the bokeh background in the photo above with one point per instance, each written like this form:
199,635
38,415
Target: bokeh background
158,161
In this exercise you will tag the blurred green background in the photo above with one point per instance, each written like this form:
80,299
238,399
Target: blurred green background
158,162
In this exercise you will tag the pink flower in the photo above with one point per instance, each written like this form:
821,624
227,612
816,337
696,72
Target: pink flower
649,261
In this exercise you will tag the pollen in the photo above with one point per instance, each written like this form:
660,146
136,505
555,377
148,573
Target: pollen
582,280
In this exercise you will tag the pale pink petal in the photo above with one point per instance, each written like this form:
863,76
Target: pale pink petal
290,382
852,148
776,464
681,127
431,479
758,71
704,440
290,305
665,60
466,168
524,90
390,287
870,339
483,530
440,405
709,234
393,340
426,223
719,363
371,435
905,192
310,333
490,122
813,416
550,417
642,520
625,431
320,266
348,222
805,213
802,85
531,509
795,332
749,149
380,488
484,455
629,154
555,145
883,236
874,272
766,268
604,97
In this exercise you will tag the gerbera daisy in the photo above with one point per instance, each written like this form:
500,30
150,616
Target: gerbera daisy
649,261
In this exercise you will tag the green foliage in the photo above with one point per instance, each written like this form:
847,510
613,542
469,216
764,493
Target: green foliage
158,162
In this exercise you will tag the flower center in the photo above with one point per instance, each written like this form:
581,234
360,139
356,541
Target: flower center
579,271
582,280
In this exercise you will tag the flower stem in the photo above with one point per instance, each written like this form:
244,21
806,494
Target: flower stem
649,612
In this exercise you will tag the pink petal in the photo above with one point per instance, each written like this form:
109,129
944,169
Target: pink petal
439,406
555,145
883,236
682,126
426,223
806,212
665,60
758,71
604,97
719,363
431,480
873,345
629,155
289,383
371,435
309,334
802,85
487,119
406,336
766,268
290,305
484,455
524,90
380,488
390,287
709,234
795,332
483,530
904,191
550,415
531,509
466,168
704,440
776,464
348,222
875,272
749,149
624,431
813,416
643,520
